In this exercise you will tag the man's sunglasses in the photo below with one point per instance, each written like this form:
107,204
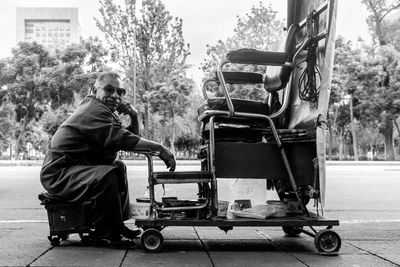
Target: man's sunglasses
109,89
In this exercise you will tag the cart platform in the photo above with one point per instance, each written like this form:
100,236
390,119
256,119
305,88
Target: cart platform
326,241
294,220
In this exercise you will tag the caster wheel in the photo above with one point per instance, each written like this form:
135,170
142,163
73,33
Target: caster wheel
327,242
54,241
152,240
292,231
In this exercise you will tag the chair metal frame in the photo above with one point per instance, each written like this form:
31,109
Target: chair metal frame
213,114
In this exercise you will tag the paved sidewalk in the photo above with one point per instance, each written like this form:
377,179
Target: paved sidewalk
26,244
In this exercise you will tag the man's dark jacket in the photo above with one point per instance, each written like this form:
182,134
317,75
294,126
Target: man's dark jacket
83,150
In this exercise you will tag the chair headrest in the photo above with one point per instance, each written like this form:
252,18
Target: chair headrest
290,41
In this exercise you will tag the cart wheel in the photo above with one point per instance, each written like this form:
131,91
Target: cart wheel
327,242
292,231
152,240
54,241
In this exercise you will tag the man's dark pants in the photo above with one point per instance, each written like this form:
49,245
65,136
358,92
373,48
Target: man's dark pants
111,198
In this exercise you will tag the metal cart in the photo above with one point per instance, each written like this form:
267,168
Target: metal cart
251,139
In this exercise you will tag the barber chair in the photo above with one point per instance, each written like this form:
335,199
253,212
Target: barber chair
248,138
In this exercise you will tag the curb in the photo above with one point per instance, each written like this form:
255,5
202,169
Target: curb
8,163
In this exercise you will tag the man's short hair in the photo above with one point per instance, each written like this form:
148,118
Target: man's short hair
104,77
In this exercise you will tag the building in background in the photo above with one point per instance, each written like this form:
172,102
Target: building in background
52,27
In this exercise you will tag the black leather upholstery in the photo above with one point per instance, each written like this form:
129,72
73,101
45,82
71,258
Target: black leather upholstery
277,77
240,105
241,77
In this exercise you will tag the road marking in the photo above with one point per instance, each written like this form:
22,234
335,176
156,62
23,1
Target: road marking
23,221
368,221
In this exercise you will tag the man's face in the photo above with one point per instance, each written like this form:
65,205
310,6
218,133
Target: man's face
110,92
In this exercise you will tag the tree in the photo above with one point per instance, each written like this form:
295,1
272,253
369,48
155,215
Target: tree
6,125
78,66
171,101
379,93
26,88
150,49
361,71
345,82
97,54
120,28
187,144
379,9
37,81
258,29
52,120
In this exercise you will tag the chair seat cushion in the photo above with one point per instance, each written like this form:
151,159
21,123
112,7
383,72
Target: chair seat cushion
253,56
240,105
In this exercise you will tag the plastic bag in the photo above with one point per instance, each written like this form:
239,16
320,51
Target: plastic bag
253,189
257,212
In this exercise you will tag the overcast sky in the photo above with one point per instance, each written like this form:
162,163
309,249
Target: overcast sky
204,21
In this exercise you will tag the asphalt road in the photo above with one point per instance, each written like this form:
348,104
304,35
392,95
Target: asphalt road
355,194
364,198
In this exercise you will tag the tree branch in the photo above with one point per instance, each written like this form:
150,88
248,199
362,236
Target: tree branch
390,10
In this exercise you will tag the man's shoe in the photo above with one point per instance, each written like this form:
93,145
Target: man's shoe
118,244
129,233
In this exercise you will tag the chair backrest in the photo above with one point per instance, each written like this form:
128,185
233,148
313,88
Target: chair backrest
278,76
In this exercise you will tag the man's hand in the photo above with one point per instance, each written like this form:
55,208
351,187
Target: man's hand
168,158
147,145
127,109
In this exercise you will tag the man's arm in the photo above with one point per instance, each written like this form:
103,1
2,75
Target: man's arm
143,144
134,125
128,109
147,145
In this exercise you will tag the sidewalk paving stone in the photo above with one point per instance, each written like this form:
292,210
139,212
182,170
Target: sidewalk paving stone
176,245
236,233
19,257
369,231
303,243
393,257
167,258
239,245
378,246
25,236
345,260
81,256
181,233
25,244
253,258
